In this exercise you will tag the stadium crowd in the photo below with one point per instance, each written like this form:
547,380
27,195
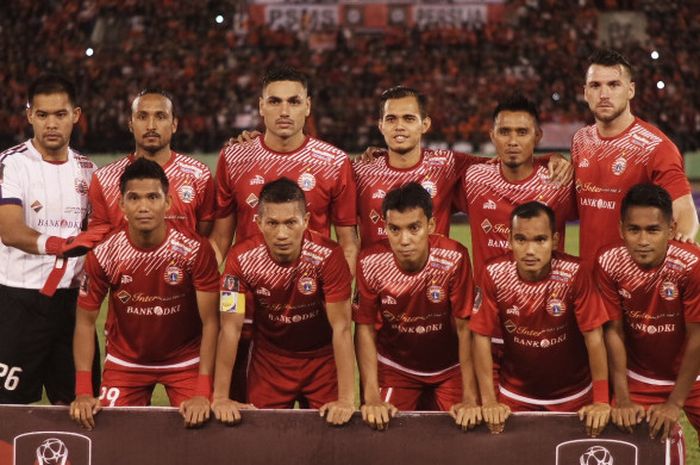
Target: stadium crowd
212,68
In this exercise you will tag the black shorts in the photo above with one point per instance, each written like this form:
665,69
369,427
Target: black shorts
36,346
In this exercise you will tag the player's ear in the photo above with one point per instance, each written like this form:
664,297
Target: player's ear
426,124
631,91
130,124
620,228
555,240
307,217
168,201
175,121
431,225
260,106
308,106
77,111
30,115
538,134
674,227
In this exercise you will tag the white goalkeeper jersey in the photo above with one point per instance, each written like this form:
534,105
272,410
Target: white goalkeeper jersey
54,199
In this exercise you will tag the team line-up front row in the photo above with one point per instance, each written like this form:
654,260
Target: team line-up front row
423,335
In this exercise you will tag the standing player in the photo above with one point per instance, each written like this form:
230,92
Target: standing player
551,319
162,323
619,151
491,191
322,171
43,202
651,288
298,283
153,124
419,286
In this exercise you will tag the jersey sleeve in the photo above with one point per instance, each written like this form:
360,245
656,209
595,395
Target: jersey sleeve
607,290
207,207
11,192
464,160
234,291
367,309
691,296
99,223
335,277
485,319
344,197
225,195
205,273
462,289
666,170
588,305
94,285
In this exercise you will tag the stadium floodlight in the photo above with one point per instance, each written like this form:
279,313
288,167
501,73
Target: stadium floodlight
556,96
89,51
660,85
655,55
219,19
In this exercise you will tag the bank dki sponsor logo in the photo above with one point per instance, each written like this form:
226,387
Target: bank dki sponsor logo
597,452
52,448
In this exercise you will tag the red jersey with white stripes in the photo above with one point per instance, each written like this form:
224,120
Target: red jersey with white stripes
153,318
289,300
191,189
322,171
607,167
654,305
416,310
439,172
488,198
544,355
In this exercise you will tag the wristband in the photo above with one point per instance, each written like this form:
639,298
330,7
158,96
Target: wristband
203,386
83,383
41,244
601,393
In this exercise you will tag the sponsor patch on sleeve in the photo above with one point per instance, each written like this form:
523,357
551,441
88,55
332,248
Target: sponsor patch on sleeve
232,302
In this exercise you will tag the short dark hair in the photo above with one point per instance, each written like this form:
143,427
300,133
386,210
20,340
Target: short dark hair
648,195
143,168
51,84
284,73
534,209
408,197
157,91
282,190
610,57
398,92
518,102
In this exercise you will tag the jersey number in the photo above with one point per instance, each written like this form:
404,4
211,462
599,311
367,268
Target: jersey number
11,376
111,394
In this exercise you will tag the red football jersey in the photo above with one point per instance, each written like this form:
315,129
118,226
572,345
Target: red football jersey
439,172
606,168
654,306
191,189
416,310
488,198
153,319
544,354
289,299
322,171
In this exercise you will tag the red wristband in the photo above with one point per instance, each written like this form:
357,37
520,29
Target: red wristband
601,393
83,383
203,386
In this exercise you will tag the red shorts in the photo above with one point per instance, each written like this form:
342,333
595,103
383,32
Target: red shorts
521,403
407,391
239,377
132,387
277,381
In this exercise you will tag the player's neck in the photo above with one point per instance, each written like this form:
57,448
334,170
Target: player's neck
534,276
517,173
52,156
148,239
405,160
161,156
284,144
615,127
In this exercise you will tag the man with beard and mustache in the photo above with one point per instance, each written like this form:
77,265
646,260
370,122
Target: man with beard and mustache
153,124
619,151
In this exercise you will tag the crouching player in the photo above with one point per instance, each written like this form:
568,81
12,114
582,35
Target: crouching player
551,319
650,285
299,283
417,289
162,323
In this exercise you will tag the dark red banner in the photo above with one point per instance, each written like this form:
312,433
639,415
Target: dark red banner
45,436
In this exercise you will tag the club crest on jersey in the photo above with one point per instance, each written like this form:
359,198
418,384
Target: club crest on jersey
584,163
123,296
173,275
489,205
252,200
36,206
81,186
668,290
556,307
436,294
257,180
374,216
307,285
431,187
379,194
230,283
486,226
186,193
619,166
306,181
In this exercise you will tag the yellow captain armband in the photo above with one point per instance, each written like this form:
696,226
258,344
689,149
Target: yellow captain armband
232,302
